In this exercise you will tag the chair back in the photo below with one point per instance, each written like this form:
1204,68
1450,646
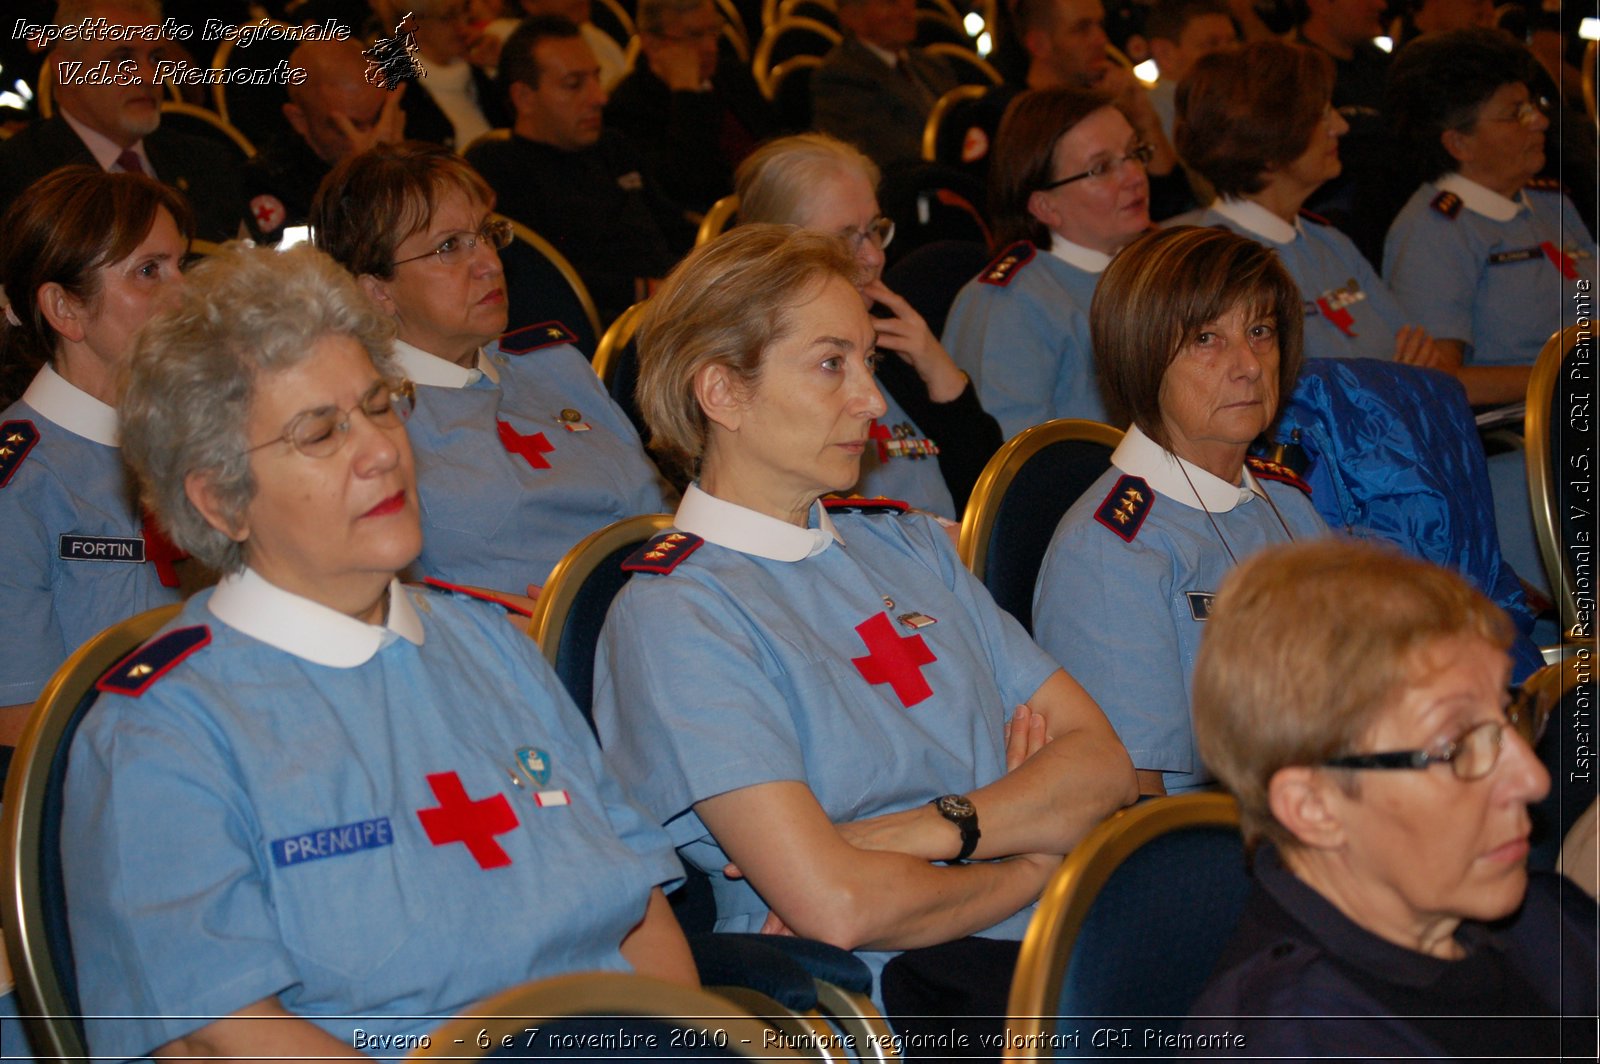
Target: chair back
614,19
790,85
1132,924
946,124
541,286
785,39
254,106
572,606
717,219
936,28
1567,687
199,122
535,1020
1020,498
616,361
34,910
930,277
823,11
931,201
1548,434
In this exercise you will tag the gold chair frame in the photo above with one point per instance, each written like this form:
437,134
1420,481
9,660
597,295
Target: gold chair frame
560,591
219,61
767,77
615,339
1543,483
563,267
941,108
215,121
957,54
717,219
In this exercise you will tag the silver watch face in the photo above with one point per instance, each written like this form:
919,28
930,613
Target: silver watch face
956,805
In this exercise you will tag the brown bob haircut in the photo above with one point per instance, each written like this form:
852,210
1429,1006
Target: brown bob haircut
371,202
1024,150
1242,113
1161,290
62,229
726,303
1363,617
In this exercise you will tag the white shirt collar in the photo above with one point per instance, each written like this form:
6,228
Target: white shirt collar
733,526
103,148
1086,259
1478,199
1255,218
72,408
245,601
420,367
1141,456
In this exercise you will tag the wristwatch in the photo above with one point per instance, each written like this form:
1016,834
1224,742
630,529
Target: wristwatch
959,810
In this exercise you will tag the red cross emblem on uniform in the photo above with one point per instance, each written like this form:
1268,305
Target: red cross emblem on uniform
532,447
1561,259
894,659
160,551
1340,317
268,211
458,818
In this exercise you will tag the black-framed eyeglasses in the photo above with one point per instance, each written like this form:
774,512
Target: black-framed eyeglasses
456,247
880,231
321,432
1141,154
1475,752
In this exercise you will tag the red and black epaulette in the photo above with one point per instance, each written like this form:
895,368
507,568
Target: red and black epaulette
535,337
478,593
16,440
136,673
1447,204
1546,184
1126,507
1004,269
855,504
1265,469
1312,216
662,554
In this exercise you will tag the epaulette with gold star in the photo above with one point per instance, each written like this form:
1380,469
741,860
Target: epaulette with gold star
1265,469
662,554
1447,204
534,337
855,504
1126,507
1546,184
134,674
16,440
1004,269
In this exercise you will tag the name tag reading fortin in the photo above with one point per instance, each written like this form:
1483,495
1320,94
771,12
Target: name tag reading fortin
1200,604
915,620
101,549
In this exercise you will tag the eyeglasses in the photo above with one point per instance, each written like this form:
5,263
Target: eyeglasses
321,432
880,231
1527,113
1141,154
1474,754
455,248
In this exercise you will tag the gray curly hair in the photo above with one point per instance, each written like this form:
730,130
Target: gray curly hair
192,377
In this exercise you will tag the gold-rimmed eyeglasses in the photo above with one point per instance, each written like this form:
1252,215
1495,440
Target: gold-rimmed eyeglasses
456,247
319,433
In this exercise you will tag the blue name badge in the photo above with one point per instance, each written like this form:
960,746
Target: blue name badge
332,842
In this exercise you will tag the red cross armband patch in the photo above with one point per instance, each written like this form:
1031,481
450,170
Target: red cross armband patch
1447,204
856,505
1004,269
536,337
1126,507
138,672
17,438
662,554
1265,469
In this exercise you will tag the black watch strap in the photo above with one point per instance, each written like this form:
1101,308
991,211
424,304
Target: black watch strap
959,810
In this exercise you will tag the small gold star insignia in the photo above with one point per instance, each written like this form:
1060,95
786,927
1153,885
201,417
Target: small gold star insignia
139,672
5,452
15,437
553,332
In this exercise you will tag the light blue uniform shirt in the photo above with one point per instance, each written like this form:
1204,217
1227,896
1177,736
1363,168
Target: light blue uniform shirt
749,663
900,462
507,484
1126,586
73,557
1020,330
1499,274
1350,312
379,825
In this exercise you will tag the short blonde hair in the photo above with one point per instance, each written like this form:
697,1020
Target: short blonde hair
726,304
775,182
1306,647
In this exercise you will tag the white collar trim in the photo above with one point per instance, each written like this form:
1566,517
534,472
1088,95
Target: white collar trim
72,408
424,368
1087,259
323,636
1253,217
1141,456
1478,199
739,528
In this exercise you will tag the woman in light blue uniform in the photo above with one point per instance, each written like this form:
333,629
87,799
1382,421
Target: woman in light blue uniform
1488,258
520,451
1069,191
85,257
934,438
1259,124
822,698
1197,336
320,810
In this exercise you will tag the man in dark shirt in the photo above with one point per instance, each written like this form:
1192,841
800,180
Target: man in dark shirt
335,113
694,117
573,182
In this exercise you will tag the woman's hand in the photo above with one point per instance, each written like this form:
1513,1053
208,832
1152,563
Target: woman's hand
908,336
1025,736
1414,347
